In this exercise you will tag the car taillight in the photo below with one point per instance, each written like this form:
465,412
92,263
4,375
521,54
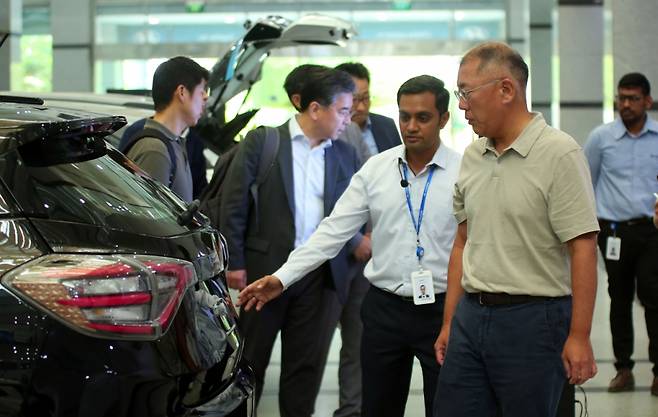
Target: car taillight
134,296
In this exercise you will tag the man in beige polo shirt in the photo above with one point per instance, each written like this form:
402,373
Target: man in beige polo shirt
522,272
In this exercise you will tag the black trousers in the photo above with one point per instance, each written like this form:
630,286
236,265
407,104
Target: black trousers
395,330
636,270
302,314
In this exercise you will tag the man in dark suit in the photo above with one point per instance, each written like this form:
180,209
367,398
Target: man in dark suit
379,134
309,174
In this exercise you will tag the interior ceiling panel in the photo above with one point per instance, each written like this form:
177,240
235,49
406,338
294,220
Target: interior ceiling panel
346,4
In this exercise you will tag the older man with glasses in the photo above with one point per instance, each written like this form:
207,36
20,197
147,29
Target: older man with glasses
623,158
522,272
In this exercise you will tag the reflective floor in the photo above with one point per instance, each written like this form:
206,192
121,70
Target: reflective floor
600,403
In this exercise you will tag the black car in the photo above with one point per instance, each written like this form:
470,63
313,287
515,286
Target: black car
112,295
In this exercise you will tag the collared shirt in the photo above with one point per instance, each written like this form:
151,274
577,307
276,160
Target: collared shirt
624,169
308,180
153,157
369,138
375,194
522,206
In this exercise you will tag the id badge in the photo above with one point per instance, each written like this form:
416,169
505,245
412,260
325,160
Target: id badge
423,285
613,248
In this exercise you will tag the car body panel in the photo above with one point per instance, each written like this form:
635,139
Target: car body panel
62,190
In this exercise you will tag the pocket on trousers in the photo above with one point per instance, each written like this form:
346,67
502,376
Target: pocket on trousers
558,320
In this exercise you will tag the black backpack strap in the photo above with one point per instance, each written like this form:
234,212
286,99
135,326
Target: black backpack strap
266,160
149,132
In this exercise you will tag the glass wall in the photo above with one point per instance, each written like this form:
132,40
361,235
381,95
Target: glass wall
33,72
130,45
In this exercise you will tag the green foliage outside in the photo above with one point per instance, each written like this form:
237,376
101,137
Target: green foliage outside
33,72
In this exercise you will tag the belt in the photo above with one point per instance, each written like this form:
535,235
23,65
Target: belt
503,299
409,298
629,222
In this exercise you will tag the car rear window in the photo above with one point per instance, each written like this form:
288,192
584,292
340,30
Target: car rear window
88,184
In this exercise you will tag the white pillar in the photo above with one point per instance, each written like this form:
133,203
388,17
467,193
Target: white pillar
516,21
11,22
580,27
72,23
634,37
541,56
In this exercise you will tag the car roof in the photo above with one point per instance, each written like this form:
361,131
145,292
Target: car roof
131,107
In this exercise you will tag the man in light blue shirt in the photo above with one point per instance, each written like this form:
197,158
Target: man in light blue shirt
623,159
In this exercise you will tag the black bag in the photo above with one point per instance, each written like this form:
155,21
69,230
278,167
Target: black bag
212,196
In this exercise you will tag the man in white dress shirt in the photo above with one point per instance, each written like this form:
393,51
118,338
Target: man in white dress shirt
406,192
309,173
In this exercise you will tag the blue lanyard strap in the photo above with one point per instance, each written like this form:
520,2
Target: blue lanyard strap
419,249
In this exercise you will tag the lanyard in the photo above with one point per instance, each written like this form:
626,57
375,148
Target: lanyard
420,251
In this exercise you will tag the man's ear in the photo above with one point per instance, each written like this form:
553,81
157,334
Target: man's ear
296,101
181,92
313,110
507,90
648,102
444,119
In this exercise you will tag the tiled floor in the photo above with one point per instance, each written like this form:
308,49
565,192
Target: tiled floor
600,403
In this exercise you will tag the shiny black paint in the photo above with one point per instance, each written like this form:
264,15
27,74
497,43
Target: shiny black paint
49,369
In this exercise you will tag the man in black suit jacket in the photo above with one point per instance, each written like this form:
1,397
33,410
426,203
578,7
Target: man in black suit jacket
309,174
379,133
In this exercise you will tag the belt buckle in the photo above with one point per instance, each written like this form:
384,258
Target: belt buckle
480,299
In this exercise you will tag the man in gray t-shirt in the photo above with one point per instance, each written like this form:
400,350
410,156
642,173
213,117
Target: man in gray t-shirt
179,97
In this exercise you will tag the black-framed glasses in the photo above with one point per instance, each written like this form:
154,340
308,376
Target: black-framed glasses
463,95
361,98
632,98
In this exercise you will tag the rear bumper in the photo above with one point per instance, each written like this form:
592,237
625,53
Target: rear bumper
240,392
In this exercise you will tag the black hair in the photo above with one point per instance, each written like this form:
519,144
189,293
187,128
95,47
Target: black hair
294,82
170,74
500,54
429,84
356,70
323,86
634,80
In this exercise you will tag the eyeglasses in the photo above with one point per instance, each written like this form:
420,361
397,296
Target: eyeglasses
342,112
632,99
361,98
463,95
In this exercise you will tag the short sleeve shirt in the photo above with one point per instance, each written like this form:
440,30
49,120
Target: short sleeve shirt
522,206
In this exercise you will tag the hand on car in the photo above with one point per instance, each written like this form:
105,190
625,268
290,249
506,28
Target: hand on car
258,293
237,279
363,252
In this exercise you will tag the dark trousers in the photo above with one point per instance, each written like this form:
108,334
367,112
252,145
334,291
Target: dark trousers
395,330
504,356
349,365
637,269
302,314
